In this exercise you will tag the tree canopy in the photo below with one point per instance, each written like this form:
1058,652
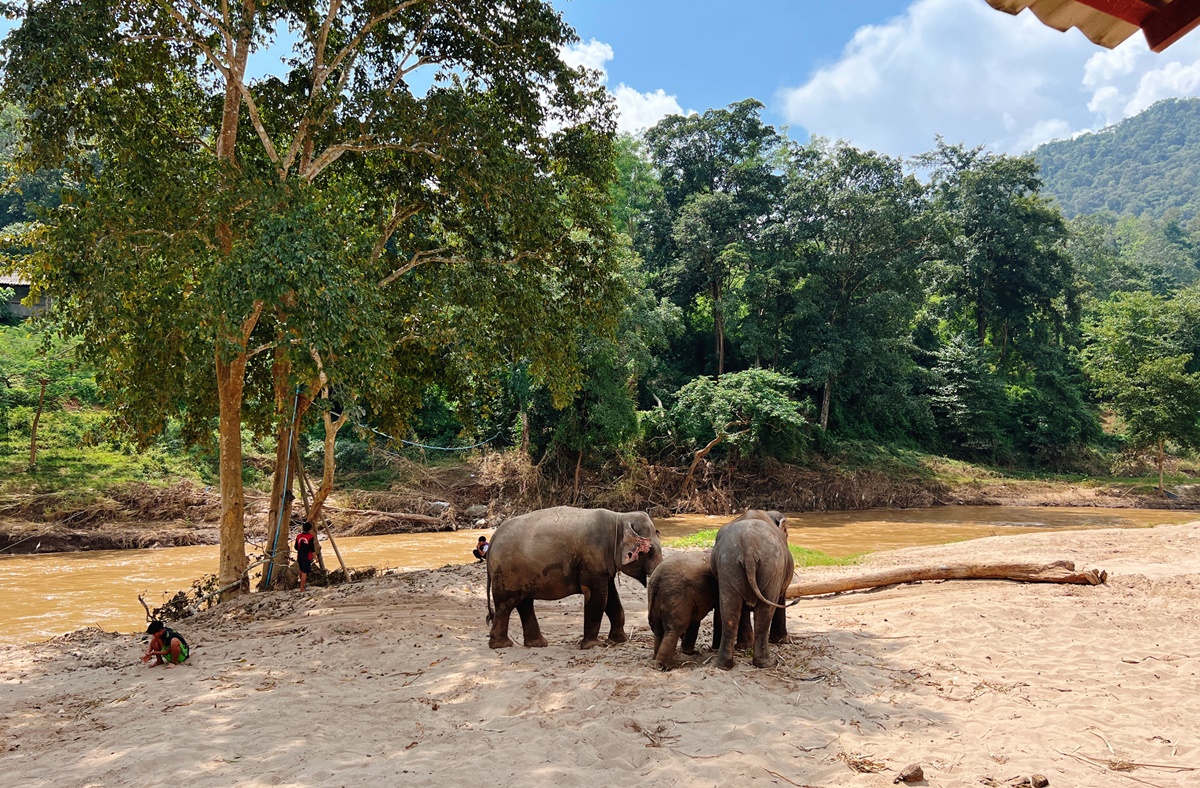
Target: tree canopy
419,194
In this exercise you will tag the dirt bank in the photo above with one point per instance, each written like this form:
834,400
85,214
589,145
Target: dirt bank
391,680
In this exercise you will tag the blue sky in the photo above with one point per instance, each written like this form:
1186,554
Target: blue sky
888,75
883,74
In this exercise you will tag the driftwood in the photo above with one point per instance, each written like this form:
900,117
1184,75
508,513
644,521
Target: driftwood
1057,572
417,518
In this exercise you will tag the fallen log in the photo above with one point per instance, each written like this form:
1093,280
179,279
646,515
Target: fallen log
417,518
1057,572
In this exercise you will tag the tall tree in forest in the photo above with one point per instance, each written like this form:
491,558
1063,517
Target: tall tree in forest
720,181
332,227
1143,355
1002,270
856,222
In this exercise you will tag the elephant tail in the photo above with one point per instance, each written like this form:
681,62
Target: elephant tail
750,578
491,613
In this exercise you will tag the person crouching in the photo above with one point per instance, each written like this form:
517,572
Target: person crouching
166,645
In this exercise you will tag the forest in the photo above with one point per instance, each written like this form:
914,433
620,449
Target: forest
1146,164
783,300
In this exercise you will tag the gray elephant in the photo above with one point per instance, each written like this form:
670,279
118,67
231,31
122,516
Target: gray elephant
753,566
554,553
681,592
745,633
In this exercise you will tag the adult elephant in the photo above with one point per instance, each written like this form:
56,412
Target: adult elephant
554,553
753,566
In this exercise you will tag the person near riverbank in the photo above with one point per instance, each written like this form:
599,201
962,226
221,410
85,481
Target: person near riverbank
481,548
305,546
166,645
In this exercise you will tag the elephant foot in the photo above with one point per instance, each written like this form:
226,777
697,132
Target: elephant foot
781,639
537,642
617,637
725,664
691,652
761,662
743,645
501,643
590,643
663,665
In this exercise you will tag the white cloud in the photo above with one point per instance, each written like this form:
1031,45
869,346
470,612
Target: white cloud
642,110
636,110
963,70
592,54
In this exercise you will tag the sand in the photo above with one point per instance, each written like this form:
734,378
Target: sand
390,682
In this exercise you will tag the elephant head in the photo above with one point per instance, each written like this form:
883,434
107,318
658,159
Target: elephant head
638,551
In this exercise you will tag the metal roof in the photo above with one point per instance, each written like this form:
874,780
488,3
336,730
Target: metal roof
8,280
1109,22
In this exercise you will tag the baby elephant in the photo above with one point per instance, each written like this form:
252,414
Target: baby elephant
753,566
682,591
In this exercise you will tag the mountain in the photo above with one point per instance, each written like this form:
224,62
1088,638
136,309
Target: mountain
1146,164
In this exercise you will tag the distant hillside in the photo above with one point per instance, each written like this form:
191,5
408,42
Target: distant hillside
1146,164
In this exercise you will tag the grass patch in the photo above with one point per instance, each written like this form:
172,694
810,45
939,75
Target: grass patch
802,555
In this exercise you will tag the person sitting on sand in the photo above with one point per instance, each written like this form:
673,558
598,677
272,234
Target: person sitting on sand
165,645
481,549
305,547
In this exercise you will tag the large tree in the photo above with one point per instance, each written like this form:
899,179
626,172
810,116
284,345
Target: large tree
720,180
1144,357
417,190
855,220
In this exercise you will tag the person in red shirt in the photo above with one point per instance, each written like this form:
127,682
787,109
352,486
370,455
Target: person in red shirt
305,548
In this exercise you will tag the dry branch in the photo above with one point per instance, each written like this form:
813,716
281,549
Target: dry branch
1056,572
418,518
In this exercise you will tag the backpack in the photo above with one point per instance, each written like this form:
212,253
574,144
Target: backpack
168,634
304,544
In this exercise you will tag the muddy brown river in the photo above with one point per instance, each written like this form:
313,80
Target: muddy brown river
46,595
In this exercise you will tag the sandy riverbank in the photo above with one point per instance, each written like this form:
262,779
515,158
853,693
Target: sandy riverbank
390,681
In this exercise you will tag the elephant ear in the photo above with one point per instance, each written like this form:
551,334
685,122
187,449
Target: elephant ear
631,547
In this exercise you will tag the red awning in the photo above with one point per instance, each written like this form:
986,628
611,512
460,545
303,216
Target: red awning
1109,22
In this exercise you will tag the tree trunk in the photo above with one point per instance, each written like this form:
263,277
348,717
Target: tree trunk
277,526
578,465
825,398
719,328
1161,460
1057,572
700,455
231,374
230,383
37,416
331,430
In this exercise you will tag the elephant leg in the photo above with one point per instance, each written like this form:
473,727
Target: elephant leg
763,614
529,625
616,615
689,638
731,615
595,602
665,655
779,633
498,638
745,631
656,626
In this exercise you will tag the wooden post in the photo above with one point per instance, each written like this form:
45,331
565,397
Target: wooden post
307,491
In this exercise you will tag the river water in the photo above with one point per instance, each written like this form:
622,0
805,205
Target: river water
46,595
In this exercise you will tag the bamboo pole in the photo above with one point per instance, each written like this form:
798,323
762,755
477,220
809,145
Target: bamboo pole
332,542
